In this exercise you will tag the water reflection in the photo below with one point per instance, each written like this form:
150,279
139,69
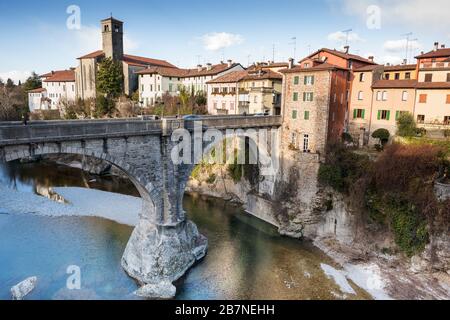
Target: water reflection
247,259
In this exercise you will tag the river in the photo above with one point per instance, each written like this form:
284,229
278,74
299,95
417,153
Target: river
247,259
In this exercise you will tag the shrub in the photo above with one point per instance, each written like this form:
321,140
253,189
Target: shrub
383,135
421,132
406,125
211,179
447,133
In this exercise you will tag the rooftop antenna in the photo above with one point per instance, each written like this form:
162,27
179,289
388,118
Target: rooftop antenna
408,39
294,43
412,49
347,35
199,58
273,53
248,60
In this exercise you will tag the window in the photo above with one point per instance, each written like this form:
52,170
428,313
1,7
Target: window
215,105
429,77
448,77
306,143
224,105
379,96
296,80
384,115
308,96
306,65
306,115
385,95
294,139
362,77
447,120
387,76
309,80
151,87
360,95
359,114
295,98
397,76
256,99
420,118
294,114
405,96
448,99
408,75
423,98
142,88
231,105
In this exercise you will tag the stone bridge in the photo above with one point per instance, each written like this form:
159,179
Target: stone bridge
164,245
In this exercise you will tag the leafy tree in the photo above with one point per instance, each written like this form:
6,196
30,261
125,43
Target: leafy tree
406,125
110,78
9,84
104,106
33,82
1,82
200,99
383,135
135,96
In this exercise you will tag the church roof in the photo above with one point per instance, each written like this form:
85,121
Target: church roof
131,59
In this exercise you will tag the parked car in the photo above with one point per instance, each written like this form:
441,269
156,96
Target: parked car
262,114
191,117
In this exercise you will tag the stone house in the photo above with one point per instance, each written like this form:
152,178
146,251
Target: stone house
112,35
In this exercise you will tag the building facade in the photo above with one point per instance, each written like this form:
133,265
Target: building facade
58,87
316,96
154,82
380,94
246,92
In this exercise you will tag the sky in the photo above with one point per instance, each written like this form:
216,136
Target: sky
49,35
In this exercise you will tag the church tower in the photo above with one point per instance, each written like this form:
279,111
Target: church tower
112,34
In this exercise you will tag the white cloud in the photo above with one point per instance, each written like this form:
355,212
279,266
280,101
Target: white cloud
417,12
220,40
394,60
15,75
400,45
340,36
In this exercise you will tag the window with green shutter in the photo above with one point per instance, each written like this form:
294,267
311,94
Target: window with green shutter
384,115
296,80
359,113
294,114
295,96
306,115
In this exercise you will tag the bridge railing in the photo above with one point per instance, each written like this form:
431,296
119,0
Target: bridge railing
55,131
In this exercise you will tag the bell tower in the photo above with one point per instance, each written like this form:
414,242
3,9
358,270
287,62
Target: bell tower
112,34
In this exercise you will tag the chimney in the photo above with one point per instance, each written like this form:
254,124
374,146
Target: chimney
371,58
199,68
436,46
230,63
208,66
291,63
443,46
405,62
347,49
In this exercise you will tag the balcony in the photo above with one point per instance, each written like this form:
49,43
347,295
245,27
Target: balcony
435,65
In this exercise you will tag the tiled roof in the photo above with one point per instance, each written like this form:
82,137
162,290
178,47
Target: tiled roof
265,74
401,67
187,73
61,76
433,85
394,84
38,90
230,77
163,71
368,68
131,60
321,67
268,66
146,61
435,54
343,55
247,75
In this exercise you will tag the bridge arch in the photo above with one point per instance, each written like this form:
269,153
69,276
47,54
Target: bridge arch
145,188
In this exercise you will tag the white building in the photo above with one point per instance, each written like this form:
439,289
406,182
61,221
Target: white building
57,87
154,82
